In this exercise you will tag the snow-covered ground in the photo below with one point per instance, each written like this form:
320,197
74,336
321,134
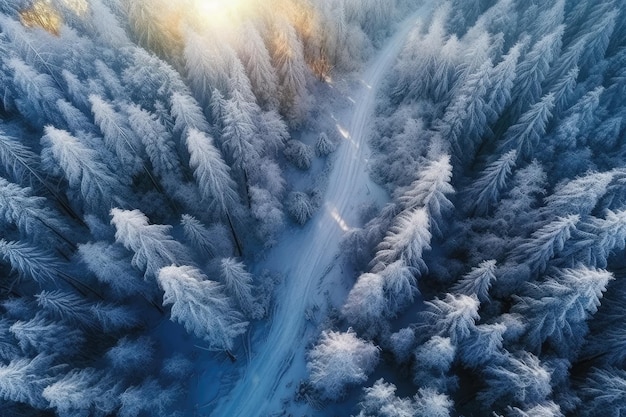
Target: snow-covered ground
307,257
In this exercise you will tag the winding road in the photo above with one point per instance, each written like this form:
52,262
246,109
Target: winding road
307,255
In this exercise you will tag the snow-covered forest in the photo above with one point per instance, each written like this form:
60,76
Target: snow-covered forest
376,208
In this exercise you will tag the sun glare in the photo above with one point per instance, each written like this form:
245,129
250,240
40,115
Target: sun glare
219,13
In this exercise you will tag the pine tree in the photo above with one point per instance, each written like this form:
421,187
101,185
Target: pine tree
33,263
545,243
478,281
434,359
83,392
66,306
36,94
519,379
431,190
400,286
484,193
201,306
198,236
149,398
118,136
558,307
366,304
238,133
473,113
452,317
99,187
287,57
42,336
598,239
406,240
524,135
23,380
563,90
132,356
31,214
533,69
502,82
483,346
579,195
338,360
604,391
211,172
299,206
152,244
257,62
187,114
239,285
576,126
159,146
111,265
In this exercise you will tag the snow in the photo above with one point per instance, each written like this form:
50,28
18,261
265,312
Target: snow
308,257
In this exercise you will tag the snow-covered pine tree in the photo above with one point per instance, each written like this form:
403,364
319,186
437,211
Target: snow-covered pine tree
557,308
430,191
201,306
484,193
524,135
152,245
407,239
239,285
339,360
99,187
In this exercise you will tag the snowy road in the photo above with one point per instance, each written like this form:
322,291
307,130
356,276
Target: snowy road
305,256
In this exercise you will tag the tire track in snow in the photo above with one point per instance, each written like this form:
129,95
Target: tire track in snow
306,256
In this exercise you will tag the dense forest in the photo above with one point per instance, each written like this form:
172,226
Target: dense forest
494,279
142,150
152,152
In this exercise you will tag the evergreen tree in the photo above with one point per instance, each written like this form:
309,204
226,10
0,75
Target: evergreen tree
99,188
152,244
484,193
524,135
502,82
148,398
399,284
30,213
118,136
452,317
211,173
406,240
431,190
478,281
41,336
604,391
338,360
201,306
557,308
23,380
239,285
365,305
519,379
545,243
533,69
83,392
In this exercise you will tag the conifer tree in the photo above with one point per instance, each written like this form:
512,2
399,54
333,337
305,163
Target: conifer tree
484,193
201,306
152,244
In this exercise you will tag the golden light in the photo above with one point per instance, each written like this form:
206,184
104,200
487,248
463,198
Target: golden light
79,7
42,14
219,14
